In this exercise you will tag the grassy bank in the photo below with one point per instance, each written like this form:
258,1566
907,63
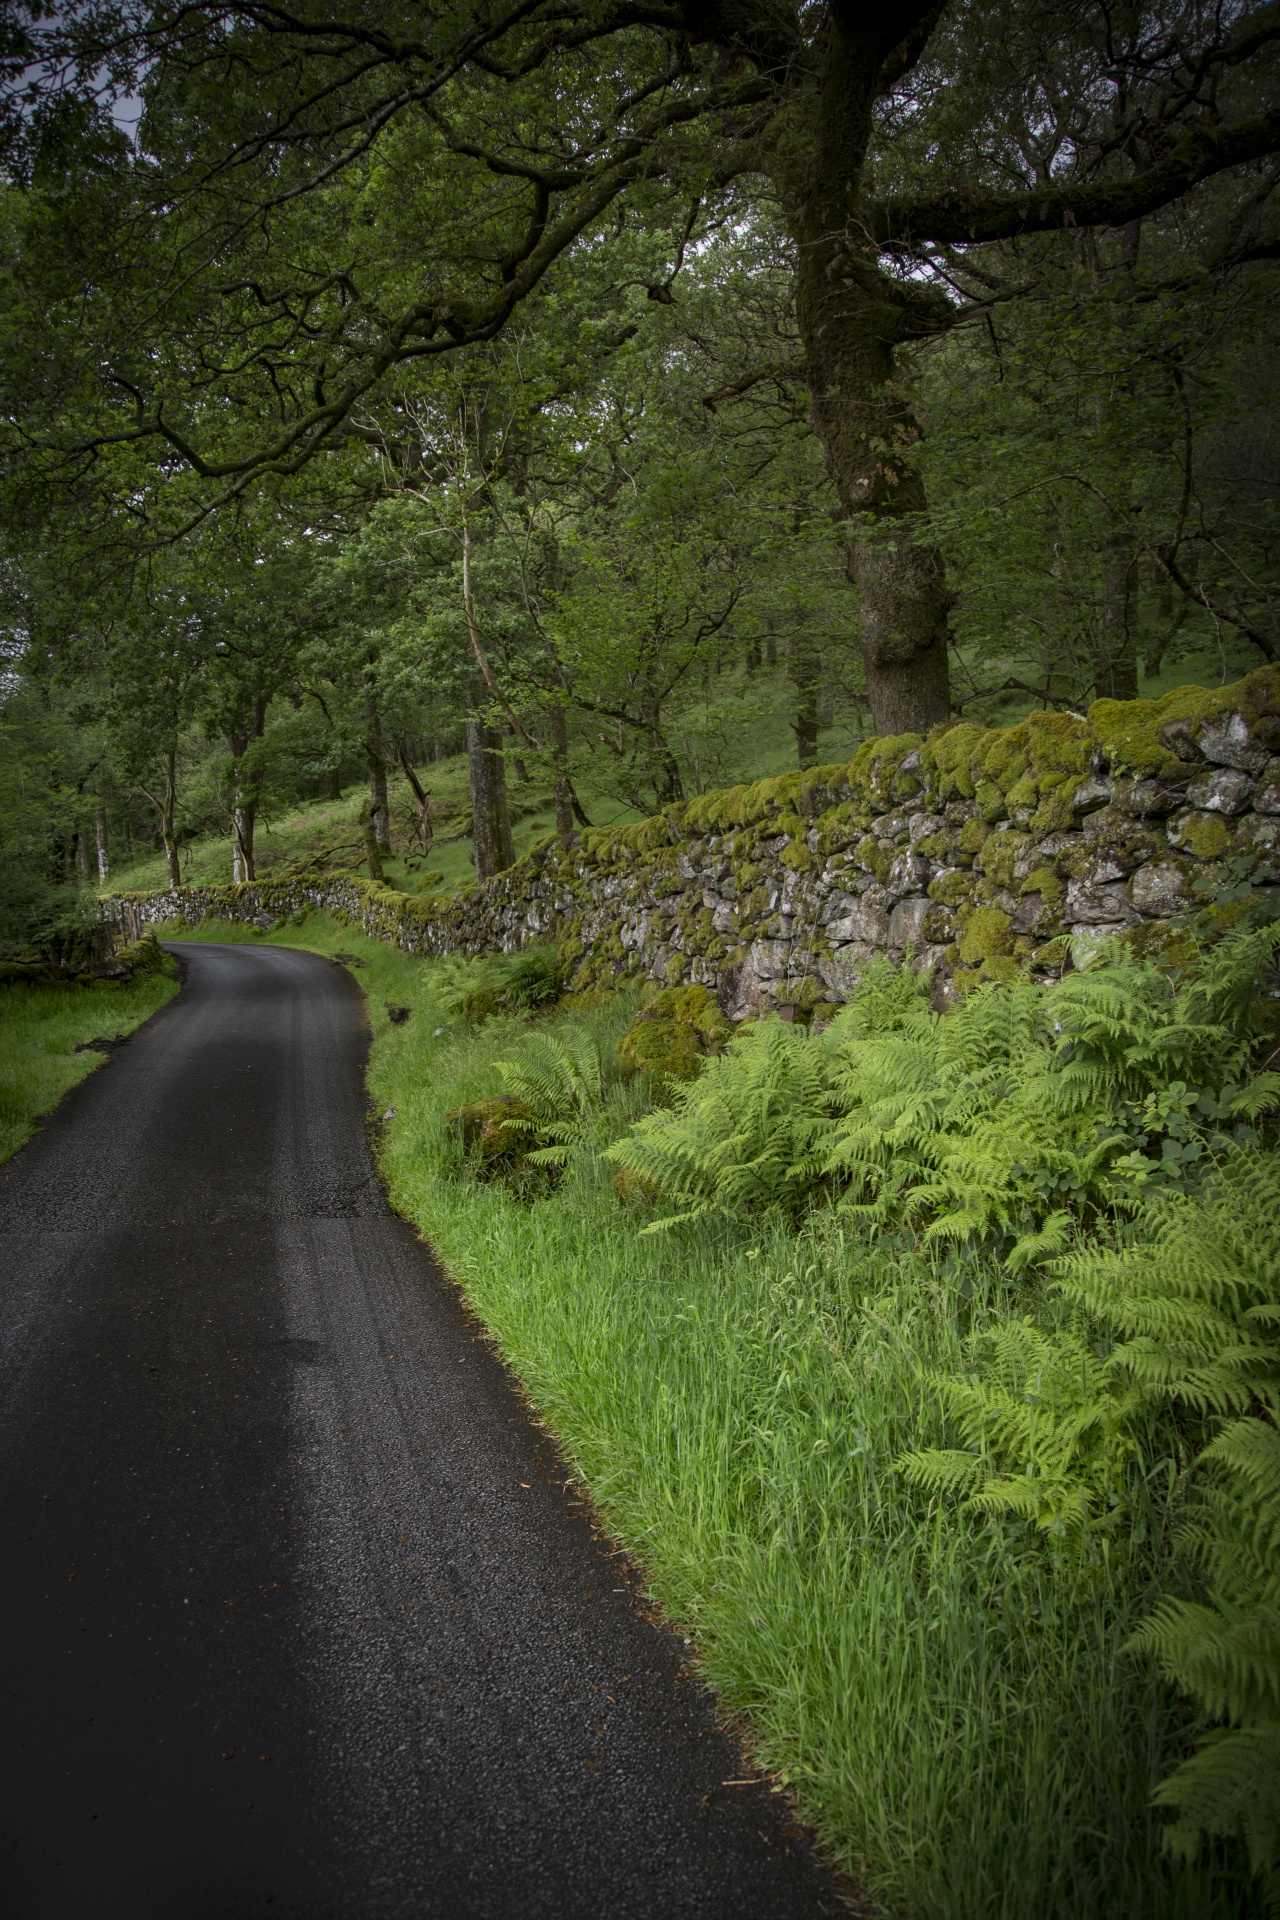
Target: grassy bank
41,1030
963,1724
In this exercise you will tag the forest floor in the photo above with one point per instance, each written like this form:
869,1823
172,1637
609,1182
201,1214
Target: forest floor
967,1732
46,1042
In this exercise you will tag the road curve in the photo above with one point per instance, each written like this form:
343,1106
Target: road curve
297,1617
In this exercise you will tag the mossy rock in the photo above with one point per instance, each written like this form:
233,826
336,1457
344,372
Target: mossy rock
974,834
666,1050
986,934
1000,854
1053,955
1056,813
692,1006
671,1035
990,801
952,889
495,1133
1204,835
482,1005
1046,882
1129,731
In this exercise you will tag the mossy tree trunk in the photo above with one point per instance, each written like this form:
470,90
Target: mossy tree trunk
246,793
558,737
493,849
853,319
376,757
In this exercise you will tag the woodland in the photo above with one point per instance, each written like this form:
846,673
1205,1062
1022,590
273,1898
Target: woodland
624,396
426,427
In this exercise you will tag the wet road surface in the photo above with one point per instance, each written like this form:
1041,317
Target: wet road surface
296,1616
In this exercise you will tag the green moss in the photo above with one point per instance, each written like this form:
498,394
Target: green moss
1205,835
1023,793
990,801
1053,955
986,934
1056,814
1129,730
999,855
672,1034
974,834
1046,882
951,889
495,1133
1007,757
1001,968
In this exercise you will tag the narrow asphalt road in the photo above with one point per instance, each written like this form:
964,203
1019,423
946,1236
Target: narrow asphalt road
297,1617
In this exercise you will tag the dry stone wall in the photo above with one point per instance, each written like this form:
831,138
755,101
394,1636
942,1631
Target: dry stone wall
975,852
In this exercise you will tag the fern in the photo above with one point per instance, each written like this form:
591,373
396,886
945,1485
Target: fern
560,1079
1193,1308
1050,1429
739,1138
1025,1113
1028,1108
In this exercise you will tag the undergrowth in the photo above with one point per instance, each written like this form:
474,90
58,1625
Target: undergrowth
935,1471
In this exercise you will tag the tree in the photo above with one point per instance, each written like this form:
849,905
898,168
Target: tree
295,166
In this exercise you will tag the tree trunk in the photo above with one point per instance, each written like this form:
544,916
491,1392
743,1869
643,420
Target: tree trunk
84,856
426,832
379,805
100,841
244,802
558,734
493,850
165,803
805,669
1116,675
372,851
852,316
243,821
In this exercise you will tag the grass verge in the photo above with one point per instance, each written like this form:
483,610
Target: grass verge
41,1029
962,1725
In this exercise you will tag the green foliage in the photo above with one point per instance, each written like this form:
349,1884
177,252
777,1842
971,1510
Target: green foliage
557,1080
1047,1428
1025,1113
737,1138
1052,1421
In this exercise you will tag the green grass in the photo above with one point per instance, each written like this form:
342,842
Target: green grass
962,1725
301,831
40,1029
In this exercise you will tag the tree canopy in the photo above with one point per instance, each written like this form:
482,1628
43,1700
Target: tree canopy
561,362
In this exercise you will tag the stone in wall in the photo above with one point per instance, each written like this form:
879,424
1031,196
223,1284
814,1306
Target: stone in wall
975,853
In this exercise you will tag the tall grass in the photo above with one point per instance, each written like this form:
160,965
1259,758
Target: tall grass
960,1722
40,1029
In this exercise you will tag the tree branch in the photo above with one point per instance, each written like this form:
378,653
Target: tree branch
960,218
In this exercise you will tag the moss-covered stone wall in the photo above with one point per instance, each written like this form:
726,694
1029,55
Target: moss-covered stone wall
979,851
